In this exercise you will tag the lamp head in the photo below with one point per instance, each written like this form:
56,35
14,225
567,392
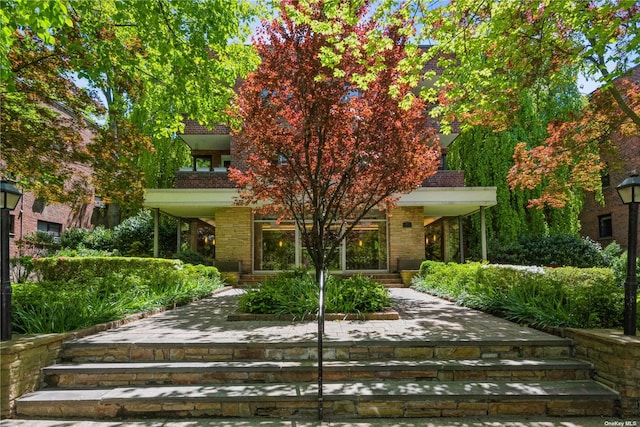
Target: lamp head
9,195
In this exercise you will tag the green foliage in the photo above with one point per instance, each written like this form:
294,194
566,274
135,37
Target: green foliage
73,237
356,294
296,293
21,268
557,250
567,296
80,292
486,156
135,234
191,257
132,237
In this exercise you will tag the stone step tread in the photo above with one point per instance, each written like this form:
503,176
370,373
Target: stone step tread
360,391
274,366
526,341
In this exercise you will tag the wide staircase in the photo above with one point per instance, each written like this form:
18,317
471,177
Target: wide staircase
363,379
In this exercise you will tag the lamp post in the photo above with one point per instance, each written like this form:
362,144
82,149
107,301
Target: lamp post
9,197
629,192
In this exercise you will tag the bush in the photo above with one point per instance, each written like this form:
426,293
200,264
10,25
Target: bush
296,293
557,250
80,292
192,257
132,237
569,296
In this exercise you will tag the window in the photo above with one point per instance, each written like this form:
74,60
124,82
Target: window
202,163
12,225
605,228
52,228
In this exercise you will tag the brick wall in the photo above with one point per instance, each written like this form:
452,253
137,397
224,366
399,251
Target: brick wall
31,210
626,160
192,127
445,178
406,242
203,179
233,236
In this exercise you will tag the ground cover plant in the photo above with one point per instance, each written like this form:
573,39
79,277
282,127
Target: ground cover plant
73,293
296,293
540,297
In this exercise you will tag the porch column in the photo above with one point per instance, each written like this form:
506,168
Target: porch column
179,236
461,239
156,232
483,234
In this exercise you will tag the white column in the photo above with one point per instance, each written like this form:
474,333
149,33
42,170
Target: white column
483,233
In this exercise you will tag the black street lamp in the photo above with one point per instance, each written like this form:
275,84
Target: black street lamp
629,192
9,197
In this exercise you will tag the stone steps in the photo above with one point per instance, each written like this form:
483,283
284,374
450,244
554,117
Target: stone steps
371,369
70,375
332,350
351,399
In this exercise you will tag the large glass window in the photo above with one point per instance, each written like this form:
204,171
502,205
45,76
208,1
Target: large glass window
274,245
366,246
278,246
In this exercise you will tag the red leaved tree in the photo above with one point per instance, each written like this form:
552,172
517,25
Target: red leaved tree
574,147
320,147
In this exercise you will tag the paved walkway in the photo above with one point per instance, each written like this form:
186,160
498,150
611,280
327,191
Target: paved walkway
422,317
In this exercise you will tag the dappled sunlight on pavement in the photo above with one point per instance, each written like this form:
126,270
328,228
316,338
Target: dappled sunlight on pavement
422,318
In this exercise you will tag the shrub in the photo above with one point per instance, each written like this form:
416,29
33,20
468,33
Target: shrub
556,250
568,296
191,257
296,293
132,237
80,292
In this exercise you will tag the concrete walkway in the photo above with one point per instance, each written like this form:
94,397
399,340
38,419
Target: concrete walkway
422,318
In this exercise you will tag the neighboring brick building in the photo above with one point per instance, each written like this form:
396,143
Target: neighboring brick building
33,214
609,222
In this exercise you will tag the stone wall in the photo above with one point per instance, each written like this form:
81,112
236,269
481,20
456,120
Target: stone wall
406,235
616,358
20,364
233,236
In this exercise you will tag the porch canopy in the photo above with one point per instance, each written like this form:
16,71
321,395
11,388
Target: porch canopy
436,202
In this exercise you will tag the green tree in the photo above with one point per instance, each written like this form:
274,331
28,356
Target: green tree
487,157
146,64
490,51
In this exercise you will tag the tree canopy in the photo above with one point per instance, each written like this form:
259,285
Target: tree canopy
322,148
142,66
492,51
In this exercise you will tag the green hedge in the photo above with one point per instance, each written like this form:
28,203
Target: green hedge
78,292
296,293
568,296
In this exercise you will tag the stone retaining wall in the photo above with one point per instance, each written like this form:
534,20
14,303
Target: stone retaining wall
616,358
22,360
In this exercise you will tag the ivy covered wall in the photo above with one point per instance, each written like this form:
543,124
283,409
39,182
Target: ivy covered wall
486,155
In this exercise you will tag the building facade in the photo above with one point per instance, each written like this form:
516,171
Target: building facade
34,215
608,222
424,224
